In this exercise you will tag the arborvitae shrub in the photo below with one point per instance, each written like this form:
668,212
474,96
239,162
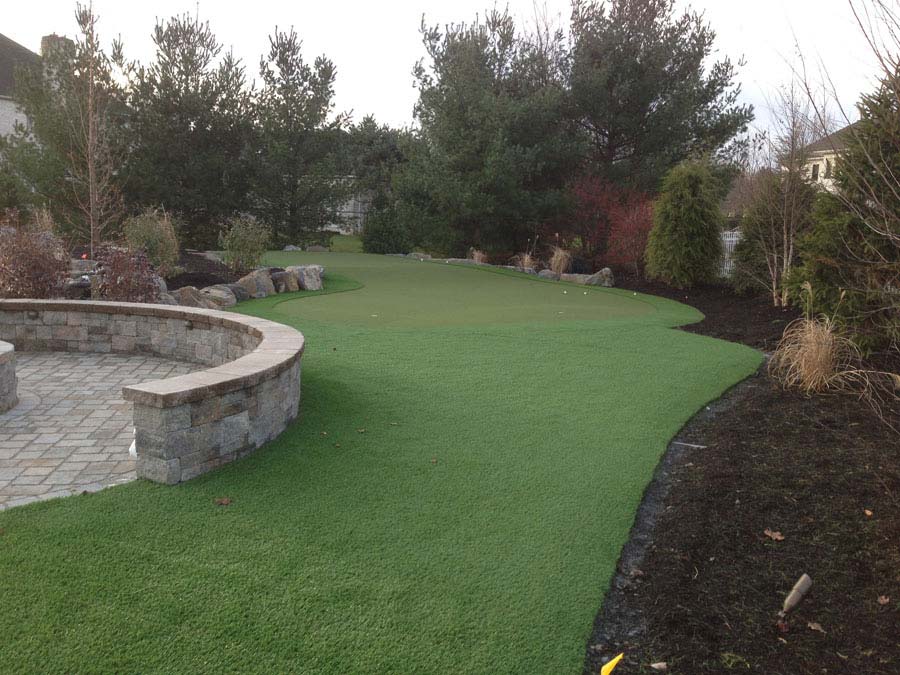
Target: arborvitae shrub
685,244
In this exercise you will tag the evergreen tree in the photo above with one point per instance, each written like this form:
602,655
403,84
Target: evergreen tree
851,256
685,245
296,188
495,147
189,126
642,92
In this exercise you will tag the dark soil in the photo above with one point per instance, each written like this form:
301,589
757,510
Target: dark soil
700,584
750,319
200,272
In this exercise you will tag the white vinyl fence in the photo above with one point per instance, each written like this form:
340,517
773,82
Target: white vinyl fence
730,238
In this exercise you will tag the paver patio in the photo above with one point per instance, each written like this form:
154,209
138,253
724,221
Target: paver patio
72,429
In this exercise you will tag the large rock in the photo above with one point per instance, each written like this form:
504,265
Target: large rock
78,289
240,293
160,284
285,282
602,278
189,296
309,277
220,294
258,284
548,274
575,278
166,299
291,247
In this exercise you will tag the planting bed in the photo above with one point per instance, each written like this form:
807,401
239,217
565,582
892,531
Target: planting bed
822,471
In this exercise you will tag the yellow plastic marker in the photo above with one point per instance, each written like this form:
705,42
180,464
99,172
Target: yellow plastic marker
609,667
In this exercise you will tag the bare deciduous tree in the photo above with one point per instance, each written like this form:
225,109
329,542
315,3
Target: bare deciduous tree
776,192
92,163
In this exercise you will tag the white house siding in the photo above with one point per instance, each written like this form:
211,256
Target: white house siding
9,114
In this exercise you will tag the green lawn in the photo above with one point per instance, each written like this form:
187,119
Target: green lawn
489,437
346,243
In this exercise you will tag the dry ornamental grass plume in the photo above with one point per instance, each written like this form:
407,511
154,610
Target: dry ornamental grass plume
525,260
479,257
560,260
816,356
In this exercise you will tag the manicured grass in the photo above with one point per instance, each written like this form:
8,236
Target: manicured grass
346,243
471,452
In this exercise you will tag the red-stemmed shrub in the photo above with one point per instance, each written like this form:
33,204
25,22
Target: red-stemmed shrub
125,276
612,223
33,262
631,225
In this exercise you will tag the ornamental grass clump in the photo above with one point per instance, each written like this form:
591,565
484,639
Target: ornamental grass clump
244,242
153,233
480,257
526,261
560,260
816,355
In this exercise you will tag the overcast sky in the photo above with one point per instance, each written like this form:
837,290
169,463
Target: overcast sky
375,44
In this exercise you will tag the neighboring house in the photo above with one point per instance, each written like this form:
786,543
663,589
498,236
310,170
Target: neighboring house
351,214
822,156
12,55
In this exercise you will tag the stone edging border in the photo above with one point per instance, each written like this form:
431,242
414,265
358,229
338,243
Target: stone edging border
185,425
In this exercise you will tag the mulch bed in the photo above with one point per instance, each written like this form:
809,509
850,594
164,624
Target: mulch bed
200,272
700,584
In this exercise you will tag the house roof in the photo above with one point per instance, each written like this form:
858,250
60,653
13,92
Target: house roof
12,54
834,142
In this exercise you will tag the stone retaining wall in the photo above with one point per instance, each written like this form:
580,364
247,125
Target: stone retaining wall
187,425
8,396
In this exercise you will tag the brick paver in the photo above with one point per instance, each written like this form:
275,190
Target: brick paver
72,429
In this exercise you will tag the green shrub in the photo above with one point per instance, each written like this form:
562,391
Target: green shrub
844,267
685,244
383,233
244,242
153,233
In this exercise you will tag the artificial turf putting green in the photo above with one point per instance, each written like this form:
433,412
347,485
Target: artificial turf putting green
471,451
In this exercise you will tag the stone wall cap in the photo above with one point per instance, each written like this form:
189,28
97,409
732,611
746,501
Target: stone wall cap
280,348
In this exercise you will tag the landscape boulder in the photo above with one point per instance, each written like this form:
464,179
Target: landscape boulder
548,274
160,284
78,289
602,278
309,277
575,278
166,299
189,296
285,282
291,247
220,294
240,293
258,284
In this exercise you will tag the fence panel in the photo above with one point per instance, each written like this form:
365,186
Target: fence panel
730,238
